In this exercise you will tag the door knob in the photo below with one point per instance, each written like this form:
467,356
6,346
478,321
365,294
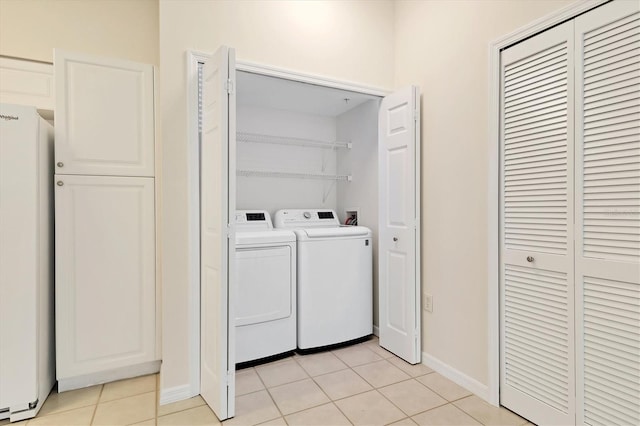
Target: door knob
530,259
395,238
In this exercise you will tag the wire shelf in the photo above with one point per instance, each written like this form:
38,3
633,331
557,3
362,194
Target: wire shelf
290,175
283,140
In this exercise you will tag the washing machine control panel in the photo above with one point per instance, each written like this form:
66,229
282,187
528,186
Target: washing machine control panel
305,218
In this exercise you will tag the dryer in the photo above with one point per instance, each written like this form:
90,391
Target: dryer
335,277
266,287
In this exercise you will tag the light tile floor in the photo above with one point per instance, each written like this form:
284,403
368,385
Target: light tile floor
361,384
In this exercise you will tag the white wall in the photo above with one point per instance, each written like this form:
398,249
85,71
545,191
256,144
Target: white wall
30,29
360,127
273,194
347,40
443,47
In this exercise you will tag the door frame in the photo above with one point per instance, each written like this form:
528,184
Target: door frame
194,57
493,213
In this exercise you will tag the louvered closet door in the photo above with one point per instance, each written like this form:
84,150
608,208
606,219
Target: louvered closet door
608,214
537,315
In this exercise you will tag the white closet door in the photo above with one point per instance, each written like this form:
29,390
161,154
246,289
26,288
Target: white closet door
104,116
399,215
217,243
537,377
607,43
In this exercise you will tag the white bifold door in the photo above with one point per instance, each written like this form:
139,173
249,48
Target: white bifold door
607,255
570,221
217,241
537,346
399,219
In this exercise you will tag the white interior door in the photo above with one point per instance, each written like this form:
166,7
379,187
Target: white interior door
217,242
537,378
607,43
399,224
104,116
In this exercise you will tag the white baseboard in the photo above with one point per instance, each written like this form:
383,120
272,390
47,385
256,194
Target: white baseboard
77,382
376,331
456,376
175,394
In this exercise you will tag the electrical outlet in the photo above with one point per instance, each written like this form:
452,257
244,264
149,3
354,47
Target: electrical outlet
427,302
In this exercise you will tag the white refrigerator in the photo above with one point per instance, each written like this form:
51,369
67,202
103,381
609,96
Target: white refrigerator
26,262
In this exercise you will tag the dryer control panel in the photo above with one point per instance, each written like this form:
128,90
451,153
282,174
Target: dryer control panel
253,220
306,218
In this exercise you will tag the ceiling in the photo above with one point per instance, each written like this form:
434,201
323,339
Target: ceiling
258,90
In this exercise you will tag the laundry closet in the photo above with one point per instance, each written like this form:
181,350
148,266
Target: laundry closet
305,146
273,140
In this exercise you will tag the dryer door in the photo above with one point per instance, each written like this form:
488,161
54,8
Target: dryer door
263,277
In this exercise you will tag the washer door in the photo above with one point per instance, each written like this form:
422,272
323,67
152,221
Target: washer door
264,284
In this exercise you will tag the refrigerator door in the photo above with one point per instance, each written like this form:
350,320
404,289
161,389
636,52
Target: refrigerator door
26,267
18,251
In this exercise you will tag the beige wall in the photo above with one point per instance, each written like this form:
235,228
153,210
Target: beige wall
347,40
443,46
30,29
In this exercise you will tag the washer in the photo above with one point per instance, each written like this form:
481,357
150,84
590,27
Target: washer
335,277
266,287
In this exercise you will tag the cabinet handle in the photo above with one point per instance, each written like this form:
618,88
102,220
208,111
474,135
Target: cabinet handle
530,259
60,164
60,183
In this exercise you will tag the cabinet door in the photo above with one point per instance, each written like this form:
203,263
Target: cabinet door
105,273
104,116
399,215
537,378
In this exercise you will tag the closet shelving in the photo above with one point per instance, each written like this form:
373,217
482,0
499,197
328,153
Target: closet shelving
264,173
284,140
291,141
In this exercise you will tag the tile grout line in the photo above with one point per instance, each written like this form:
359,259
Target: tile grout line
373,387
186,409
468,414
95,408
447,402
402,381
331,401
156,399
270,396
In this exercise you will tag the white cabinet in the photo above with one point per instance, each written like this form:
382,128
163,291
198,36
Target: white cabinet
105,273
105,220
104,116
24,82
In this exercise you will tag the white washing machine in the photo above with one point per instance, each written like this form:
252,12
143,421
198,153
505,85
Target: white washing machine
335,277
266,287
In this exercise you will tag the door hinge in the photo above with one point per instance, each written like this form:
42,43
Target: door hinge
229,377
230,231
415,115
229,86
